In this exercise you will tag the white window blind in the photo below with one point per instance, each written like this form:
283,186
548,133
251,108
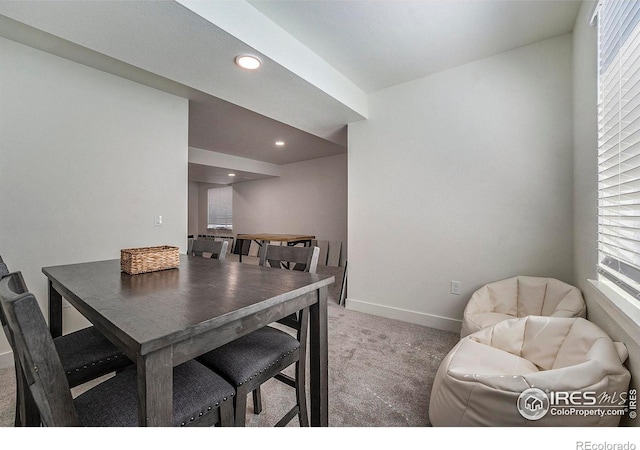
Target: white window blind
220,208
619,142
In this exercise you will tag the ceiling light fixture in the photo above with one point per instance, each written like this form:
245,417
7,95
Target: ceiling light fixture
280,143
248,62
232,174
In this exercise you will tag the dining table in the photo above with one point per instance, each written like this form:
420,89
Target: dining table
162,319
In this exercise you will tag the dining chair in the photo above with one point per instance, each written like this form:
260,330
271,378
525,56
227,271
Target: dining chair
85,355
255,358
281,256
217,249
3,268
200,397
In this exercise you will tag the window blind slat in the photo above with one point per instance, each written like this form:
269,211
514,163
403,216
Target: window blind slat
623,175
220,211
619,140
627,189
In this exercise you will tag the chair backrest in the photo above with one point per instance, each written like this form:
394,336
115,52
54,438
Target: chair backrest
4,271
217,249
305,259
31,341
18,286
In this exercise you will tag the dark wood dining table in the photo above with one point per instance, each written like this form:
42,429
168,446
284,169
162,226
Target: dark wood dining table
165,318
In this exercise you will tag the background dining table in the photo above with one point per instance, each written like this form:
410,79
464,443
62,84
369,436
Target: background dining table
162,319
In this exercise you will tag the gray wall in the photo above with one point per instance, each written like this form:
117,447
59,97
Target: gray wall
88,160
309,197
464,175
600,309
193,221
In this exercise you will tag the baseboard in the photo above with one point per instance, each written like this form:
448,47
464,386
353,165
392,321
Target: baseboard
6,360
427,320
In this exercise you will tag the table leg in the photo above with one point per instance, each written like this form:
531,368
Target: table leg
155,388
55,311
319,360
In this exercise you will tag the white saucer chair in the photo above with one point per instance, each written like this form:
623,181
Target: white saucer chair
521,296
481,379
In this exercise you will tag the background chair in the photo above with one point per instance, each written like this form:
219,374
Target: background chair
208,247
281,256
251,360
85,355
480,381
199,395
519,297
3,268
337,291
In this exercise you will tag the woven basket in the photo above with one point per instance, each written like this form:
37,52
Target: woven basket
149,259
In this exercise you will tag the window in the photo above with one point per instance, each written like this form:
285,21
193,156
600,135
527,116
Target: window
220,208
619,142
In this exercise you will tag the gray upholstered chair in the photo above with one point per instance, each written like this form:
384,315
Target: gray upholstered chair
85,355
209,248
251,360
200,397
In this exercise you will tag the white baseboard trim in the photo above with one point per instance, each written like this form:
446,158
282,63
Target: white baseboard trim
419,318
6,360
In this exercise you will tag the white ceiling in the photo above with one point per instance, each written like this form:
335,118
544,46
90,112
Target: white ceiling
378,44
321,58
218,175
220,126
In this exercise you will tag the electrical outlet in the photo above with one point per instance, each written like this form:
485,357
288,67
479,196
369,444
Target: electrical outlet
455,287
157,221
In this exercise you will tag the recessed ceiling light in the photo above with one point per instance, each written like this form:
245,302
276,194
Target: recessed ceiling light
232,174
280,143
248,62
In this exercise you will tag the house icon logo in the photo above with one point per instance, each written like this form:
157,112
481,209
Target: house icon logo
533,404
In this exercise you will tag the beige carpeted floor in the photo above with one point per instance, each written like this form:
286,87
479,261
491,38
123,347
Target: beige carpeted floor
380,374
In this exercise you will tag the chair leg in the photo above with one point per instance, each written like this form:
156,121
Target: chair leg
257,401
301,382
18,418
20,386
301,394
226,414
240,404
